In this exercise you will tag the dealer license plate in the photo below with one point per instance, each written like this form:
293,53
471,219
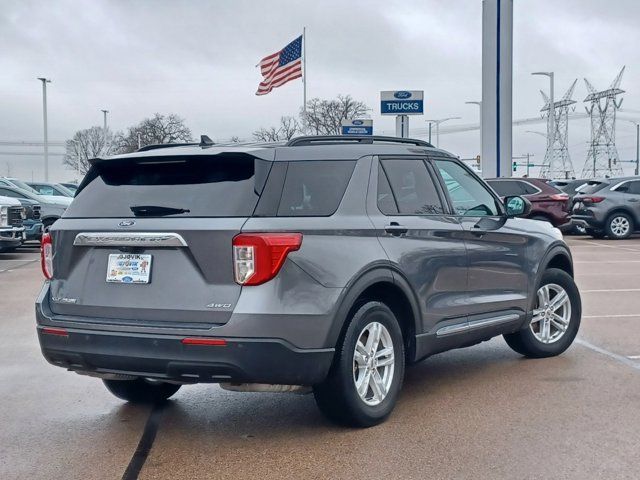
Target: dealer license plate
128,268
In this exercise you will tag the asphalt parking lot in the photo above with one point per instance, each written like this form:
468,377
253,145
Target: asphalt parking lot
481,412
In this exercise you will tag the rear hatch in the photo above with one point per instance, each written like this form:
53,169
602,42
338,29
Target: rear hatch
587,196
148,240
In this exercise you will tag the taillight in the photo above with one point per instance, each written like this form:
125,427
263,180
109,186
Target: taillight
591,199
46,256
562,197
258,257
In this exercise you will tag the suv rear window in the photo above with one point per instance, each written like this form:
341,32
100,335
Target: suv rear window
314,188
592,187
183,186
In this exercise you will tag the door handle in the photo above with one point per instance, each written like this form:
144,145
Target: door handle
395,229
632,200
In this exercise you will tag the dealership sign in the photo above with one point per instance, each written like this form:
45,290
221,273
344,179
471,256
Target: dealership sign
402,102
357,127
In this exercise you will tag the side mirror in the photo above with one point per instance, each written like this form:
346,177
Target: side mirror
517,206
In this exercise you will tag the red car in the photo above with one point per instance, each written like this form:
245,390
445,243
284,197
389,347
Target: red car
547,202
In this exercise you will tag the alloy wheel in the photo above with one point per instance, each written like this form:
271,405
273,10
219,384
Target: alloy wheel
552,314
373,363
619,226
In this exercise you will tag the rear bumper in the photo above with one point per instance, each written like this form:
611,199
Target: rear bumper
588,221
166,358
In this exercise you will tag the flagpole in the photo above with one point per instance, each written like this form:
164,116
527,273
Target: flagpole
304,69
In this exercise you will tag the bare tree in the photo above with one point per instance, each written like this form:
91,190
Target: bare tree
287,129
157,129
324,117
85,145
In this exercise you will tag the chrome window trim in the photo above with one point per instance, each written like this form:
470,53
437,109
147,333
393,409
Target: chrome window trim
126,239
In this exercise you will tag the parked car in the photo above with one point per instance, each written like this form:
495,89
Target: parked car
50,210
50,188
324,264
72,187
12,215
14,182
609,207
33,219
571,186
547,202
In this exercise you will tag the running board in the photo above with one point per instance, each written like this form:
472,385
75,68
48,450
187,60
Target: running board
475,325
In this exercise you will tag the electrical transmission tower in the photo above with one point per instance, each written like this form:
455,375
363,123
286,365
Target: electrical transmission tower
557,163
602,157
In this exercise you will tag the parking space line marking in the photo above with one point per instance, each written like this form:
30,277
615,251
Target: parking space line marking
611,290
634,357
27,262
616,247
144,445
621,359
622,315
607,261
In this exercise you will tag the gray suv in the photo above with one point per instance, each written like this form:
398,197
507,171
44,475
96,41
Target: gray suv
325,265
609,207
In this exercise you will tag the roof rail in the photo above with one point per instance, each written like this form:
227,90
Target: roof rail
346,139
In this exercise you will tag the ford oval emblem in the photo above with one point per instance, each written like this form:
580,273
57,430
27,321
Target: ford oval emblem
357,122
402,94
127,223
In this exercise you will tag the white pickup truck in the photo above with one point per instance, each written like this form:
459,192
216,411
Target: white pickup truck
12,215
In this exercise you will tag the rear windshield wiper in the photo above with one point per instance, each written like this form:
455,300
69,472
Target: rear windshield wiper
156,210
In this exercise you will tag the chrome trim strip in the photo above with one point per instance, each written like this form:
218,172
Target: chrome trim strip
129,239
476,324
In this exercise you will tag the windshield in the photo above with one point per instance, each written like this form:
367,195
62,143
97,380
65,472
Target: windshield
592,187
23,186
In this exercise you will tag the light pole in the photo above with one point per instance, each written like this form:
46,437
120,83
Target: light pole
551,134
437,122
104,130
637,124
46,133
479,104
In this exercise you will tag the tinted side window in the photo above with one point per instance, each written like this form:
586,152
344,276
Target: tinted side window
413,188
468,194
506,188
634,188
386,202
314,188
592,187
528,189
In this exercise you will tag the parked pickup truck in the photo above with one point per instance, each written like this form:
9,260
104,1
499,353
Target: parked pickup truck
12,216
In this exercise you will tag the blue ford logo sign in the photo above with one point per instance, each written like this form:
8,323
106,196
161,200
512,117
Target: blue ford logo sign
357,122
127,223
402,94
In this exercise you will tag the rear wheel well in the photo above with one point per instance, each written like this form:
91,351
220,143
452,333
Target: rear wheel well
621,210
394,298
561,262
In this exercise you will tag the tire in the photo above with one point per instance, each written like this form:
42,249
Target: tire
141,390
597,234
619,226
337,397
528,342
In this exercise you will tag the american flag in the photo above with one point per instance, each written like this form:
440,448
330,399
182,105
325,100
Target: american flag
281,67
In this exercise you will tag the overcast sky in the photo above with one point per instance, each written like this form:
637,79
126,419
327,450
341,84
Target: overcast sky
197,59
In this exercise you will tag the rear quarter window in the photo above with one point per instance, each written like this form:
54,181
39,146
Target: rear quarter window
198,186
314,188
